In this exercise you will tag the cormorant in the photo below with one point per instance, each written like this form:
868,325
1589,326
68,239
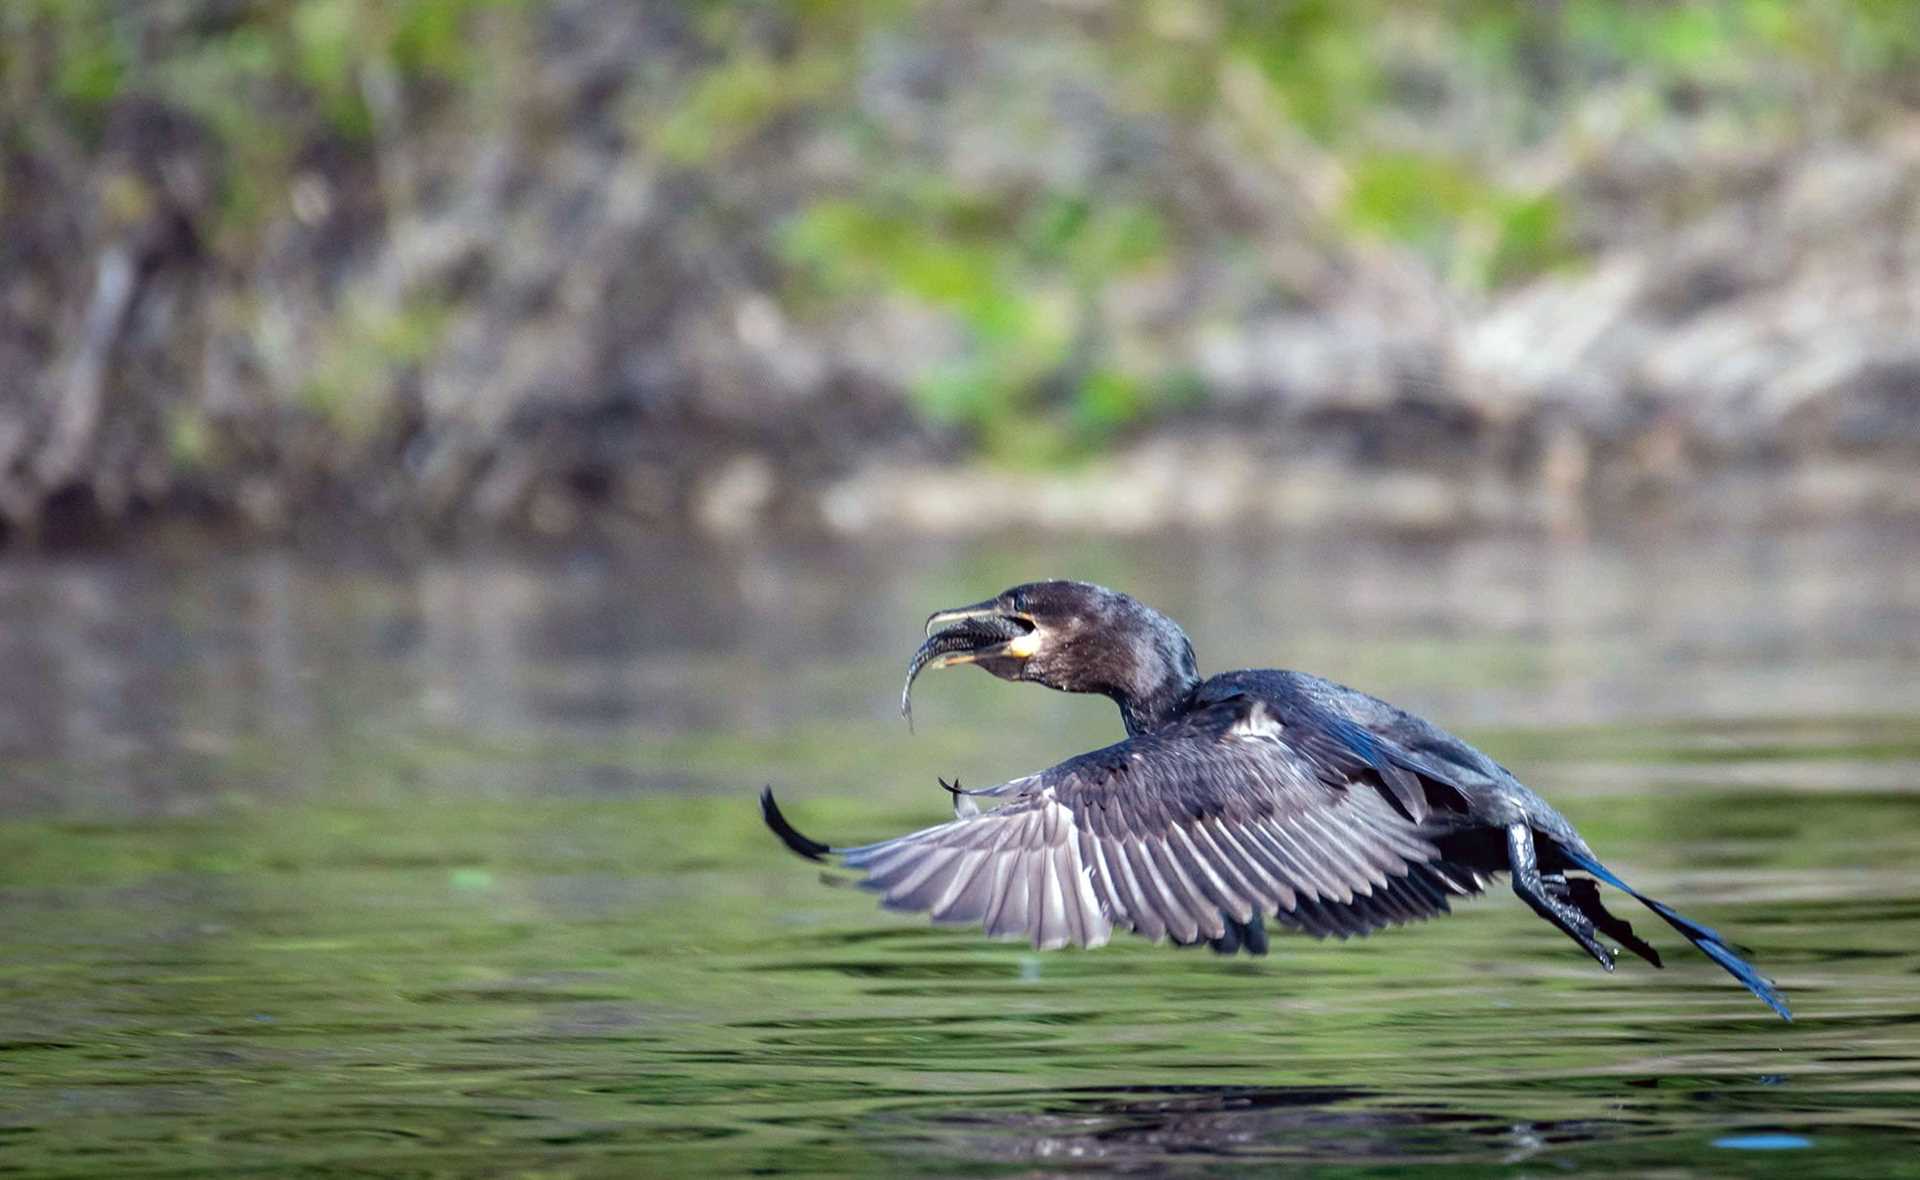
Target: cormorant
1242,797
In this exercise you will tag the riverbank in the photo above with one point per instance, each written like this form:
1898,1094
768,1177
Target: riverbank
583,266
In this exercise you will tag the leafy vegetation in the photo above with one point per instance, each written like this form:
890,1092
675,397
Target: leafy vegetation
837,141
1020,283
267,78
368,344
1019,275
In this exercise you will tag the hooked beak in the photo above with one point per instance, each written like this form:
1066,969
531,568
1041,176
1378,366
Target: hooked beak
978,634
963,614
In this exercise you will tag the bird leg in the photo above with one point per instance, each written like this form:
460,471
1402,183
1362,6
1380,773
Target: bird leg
1583,895
1547,894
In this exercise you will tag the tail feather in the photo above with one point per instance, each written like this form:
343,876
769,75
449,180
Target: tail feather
1705,937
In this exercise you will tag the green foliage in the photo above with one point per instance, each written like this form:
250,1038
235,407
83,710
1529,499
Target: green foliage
350,387
1019,276
1019,267
326,39
86,68
263,77
1329,66
90,76
735,99
1019,281
330,43
1531,237
1678,37
1110,399
1754,45
1411,197
1021,273
752,85
1471,229
189,443
435,40
1318,54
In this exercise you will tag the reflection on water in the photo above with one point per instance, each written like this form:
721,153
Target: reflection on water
453,869
1135,1130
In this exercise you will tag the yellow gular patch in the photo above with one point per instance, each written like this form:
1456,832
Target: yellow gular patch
1025,645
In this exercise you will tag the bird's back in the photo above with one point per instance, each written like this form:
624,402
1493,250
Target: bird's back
1379,731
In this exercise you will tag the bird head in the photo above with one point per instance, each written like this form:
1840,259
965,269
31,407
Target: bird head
1070,636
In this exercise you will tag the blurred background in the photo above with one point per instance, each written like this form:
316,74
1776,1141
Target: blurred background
452,454
561,266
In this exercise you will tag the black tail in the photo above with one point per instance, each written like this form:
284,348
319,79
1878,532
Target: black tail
1704,937
811,849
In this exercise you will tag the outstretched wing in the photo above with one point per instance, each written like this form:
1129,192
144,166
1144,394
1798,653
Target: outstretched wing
1192,833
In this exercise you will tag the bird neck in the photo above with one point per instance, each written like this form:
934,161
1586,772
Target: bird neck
1158,680
1142,714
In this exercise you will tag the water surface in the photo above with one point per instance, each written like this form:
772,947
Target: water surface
351,866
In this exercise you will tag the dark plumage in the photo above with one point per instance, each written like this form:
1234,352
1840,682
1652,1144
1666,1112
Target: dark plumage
1244,797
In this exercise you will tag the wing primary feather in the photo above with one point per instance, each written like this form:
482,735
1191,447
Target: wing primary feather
1379,862
1404,786
1341,860
1143,909
909,869
1194,863
1420,882
1311,858
1046,918
1206,916
1316,920
1066,871
883,861
1179,925
1015,912
1269,875
1231,864
908,892
1266,836
966,898
865,855
1106,890
1269,857
1059,913
1390,830
1007,877
1396,907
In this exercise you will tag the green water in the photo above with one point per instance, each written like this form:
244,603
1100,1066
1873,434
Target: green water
361,867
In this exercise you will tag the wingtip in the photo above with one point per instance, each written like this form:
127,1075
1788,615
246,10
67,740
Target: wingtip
799,844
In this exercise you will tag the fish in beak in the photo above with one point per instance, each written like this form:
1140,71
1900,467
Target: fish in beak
985,634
